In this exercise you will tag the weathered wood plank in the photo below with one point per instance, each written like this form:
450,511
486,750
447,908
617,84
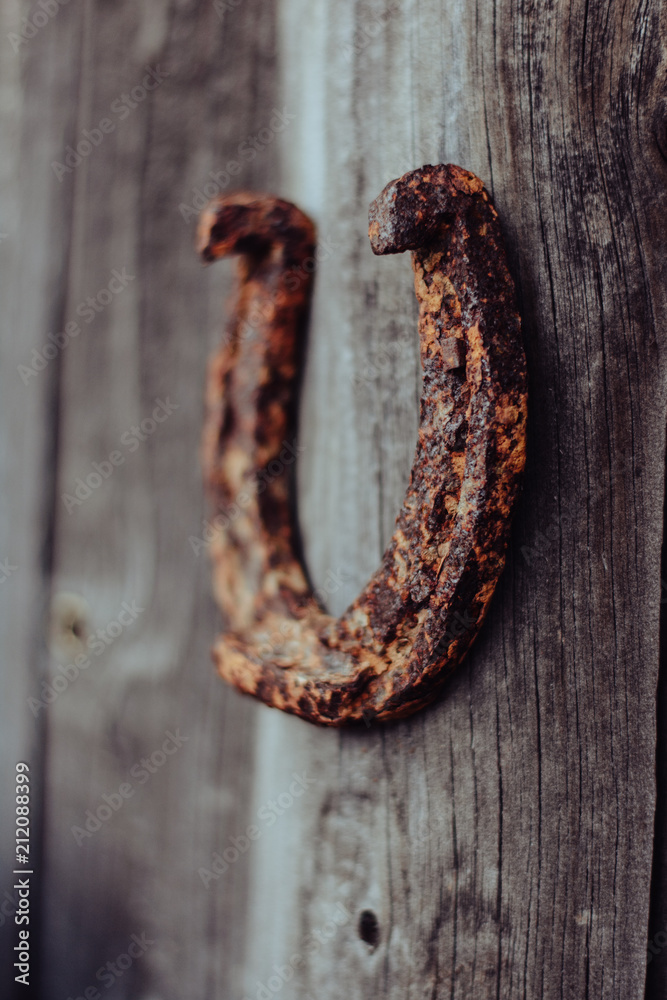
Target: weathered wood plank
503,839
656,957
36,91
499,844
122,866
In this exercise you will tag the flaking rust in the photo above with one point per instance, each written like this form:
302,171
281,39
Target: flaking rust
391,651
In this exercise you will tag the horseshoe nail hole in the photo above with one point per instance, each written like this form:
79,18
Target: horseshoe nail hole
369,928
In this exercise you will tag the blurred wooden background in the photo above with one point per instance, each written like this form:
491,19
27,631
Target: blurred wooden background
510,841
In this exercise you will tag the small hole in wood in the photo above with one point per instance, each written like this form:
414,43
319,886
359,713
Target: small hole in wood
369,928
68,627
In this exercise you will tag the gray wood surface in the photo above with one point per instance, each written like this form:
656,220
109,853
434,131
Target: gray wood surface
501,842
26,468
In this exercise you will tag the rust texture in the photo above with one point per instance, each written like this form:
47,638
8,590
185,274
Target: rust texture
391,651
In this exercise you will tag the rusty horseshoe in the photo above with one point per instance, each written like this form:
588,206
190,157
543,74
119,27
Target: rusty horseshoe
391,651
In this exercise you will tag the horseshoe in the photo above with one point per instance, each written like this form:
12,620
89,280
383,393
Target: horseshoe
391,651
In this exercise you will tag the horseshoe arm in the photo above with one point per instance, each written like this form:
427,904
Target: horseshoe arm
391,651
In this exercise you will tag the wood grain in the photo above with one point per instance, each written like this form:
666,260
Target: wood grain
36,99
504,838
128,541
533,780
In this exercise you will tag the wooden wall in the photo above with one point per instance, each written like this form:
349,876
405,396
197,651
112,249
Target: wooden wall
503,843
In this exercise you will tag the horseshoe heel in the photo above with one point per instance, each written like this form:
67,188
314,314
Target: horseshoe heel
391,651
